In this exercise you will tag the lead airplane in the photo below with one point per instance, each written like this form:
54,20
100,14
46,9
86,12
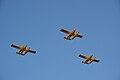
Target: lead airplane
70,34
23,49
89,59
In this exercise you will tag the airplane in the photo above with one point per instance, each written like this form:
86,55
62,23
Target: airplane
89,59
70,34
23,49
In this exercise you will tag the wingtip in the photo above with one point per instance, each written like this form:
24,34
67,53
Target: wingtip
79,55
61,29
98,60
82,36
34,52
11,45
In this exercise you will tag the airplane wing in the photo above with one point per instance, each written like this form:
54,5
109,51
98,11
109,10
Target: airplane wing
31,51
80,36
15,46
82,56
65,31
96,60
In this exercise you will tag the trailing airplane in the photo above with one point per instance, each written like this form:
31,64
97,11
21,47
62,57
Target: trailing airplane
89,59
70,34
23,49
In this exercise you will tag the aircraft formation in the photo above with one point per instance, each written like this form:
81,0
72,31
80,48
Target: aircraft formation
23,50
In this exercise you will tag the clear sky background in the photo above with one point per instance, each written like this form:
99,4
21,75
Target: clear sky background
38,23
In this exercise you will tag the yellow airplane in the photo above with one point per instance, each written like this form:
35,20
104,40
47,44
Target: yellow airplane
89,59
70,34
23,49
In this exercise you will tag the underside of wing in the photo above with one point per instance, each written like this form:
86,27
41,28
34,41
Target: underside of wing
15,46
82,56
65,31
80,36
31,51
96,60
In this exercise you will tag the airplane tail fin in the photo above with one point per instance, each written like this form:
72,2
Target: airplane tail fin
24,54
73,37
85,62
90,62
67,38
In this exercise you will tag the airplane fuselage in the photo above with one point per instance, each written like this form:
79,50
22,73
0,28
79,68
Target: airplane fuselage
22,49
87,59
70,34
75,35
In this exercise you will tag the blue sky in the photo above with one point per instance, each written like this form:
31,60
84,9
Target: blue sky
38,23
